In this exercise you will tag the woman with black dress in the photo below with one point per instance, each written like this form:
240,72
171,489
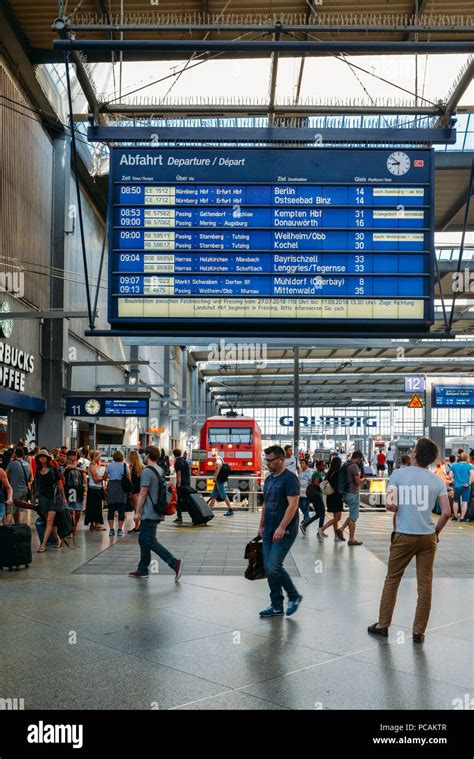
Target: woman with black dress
334,504
95,493
46,481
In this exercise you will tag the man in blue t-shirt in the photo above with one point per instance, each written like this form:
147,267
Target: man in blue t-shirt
279,528
461,472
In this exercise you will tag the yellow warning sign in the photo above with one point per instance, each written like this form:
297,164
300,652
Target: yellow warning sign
415,402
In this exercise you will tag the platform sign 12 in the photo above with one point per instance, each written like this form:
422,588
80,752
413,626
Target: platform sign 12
414,384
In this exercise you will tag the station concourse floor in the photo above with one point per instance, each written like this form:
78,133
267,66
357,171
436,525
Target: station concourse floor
78,633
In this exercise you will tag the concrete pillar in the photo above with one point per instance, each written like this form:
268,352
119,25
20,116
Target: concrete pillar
52,430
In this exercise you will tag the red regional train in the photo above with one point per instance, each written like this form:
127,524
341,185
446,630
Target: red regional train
238,440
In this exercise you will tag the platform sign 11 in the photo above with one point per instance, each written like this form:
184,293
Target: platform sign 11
414,384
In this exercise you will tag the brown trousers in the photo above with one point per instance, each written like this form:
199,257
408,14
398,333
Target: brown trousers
404,547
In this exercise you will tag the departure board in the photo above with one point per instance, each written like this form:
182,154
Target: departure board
453,396
101,406
269,240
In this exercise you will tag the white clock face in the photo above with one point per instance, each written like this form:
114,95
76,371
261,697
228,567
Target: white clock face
398,163
92,407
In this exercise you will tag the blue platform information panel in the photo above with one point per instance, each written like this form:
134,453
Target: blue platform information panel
453,396
90,406
266,239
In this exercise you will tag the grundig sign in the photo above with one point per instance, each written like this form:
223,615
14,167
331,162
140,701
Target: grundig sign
330,421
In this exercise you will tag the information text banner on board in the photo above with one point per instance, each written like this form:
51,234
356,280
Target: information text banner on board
269,240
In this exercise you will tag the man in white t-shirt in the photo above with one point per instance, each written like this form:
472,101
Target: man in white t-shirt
412,494
290,460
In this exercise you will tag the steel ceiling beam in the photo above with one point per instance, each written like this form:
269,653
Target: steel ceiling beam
392,135
456,95
310,47
191,28
81,72
161,110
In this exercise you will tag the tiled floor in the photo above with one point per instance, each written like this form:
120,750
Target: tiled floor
215,549
96,639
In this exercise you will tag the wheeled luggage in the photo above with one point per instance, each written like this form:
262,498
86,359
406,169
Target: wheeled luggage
40,527
198,509
15,546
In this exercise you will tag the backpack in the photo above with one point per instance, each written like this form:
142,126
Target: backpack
75,482
343,479
224,473
161,504
171,498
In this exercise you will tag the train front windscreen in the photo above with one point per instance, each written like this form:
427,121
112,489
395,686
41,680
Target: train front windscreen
230,436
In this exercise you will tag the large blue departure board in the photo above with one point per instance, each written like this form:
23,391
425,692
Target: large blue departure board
269,239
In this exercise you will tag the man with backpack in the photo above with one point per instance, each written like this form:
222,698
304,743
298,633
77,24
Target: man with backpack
151,505
219,492
349,484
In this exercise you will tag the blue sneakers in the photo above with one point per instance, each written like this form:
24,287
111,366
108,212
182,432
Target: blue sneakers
271,612
293,606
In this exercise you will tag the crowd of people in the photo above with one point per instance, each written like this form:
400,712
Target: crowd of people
327,485
81,483
416,489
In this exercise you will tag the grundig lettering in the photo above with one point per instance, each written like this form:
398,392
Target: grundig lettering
331,421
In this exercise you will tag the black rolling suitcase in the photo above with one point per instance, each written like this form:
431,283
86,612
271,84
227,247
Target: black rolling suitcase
198,509
15,546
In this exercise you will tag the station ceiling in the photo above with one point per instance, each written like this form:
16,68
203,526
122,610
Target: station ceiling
334,372
35,18
338,373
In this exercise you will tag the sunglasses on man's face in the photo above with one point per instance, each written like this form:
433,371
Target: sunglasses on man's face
269,461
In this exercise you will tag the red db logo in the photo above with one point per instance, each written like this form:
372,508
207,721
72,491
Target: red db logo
418,164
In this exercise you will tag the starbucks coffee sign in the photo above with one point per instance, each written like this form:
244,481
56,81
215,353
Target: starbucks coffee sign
15,364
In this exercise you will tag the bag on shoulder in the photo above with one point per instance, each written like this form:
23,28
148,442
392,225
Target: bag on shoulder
127,485
161,503
28,489
326,488
343,479
224,473
63,523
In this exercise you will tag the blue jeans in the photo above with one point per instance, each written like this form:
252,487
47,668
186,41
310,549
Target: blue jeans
219,492
278,578
319,511
304,506
148,543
